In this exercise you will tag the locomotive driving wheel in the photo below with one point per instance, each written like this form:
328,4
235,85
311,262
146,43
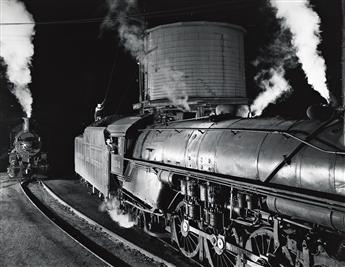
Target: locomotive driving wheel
187,241
216,251
261,243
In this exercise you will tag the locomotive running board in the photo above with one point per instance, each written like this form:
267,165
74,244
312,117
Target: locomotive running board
244,185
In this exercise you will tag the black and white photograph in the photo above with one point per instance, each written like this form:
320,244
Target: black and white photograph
172,133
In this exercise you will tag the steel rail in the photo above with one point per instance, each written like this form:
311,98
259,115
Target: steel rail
111,234
95,249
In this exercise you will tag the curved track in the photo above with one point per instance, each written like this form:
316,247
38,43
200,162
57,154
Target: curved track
116,237
110,233
73,233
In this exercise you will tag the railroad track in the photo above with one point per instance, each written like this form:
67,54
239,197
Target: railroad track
117,237
110,233
94,248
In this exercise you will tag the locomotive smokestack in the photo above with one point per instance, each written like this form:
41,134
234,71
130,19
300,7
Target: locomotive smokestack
26,124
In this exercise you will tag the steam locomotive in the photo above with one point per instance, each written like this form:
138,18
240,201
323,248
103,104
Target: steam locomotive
26,157
228,191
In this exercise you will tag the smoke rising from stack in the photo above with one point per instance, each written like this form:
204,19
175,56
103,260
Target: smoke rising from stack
304,24
130,31
16,49
296,42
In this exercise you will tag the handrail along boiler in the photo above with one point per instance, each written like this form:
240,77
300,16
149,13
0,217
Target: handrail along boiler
228,191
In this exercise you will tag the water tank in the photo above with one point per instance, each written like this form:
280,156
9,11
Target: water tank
195,60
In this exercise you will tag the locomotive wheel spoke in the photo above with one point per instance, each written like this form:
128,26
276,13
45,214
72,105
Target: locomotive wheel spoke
187,242
218,257
261,243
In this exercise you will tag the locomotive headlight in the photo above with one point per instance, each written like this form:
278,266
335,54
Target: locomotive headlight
25,146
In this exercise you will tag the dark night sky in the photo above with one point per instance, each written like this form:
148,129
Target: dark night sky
72,62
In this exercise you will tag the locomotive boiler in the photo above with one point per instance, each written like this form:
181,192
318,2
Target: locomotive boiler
26,157
228,191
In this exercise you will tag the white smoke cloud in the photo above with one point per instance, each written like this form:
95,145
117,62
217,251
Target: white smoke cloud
131,34
274,59
304,24
273,88
173,86
243,111
16,49
113,208
130,31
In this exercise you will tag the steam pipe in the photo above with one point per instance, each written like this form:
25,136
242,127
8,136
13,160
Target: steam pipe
26,124
140,69
307,212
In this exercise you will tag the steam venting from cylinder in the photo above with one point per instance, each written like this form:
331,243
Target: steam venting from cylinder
26,125
130,31
114,210
16,49
297,17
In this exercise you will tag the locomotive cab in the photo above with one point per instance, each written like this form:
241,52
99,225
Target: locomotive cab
117,146
121,137
100,152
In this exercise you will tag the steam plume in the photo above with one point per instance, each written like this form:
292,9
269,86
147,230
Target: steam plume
173,87
274,87
16,49
243,111
113,208
130,31
272,63
304,24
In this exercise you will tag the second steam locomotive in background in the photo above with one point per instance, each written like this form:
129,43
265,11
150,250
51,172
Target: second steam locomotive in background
26,157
